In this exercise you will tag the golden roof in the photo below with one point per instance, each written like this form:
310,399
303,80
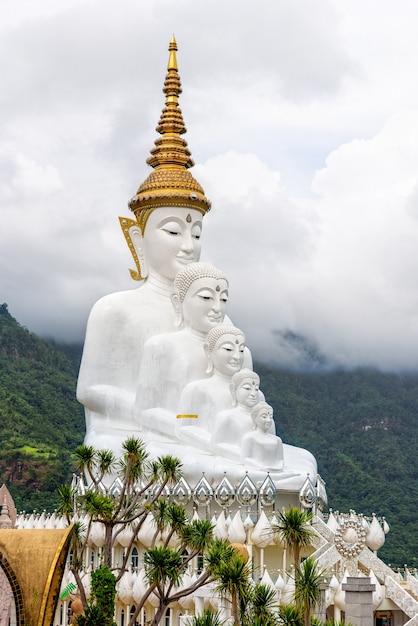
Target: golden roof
170,183
34,561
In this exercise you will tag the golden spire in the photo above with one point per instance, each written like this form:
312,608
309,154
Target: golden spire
170,184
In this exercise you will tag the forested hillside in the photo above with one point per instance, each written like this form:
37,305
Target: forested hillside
361,426
41,421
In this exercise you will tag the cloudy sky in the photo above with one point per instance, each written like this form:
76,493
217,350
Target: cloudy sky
302,118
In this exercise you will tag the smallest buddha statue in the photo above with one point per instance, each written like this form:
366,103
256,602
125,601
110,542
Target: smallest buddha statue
201,400
260,448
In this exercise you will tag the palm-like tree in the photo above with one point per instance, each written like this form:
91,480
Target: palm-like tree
139,477
102,508
133,463
290,615
169,518
85,457
166,567
262,609
294,529
163,565
308,579
143,484
207,618
78,546
234,582
66,499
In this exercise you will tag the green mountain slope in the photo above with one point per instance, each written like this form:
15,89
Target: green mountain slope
361,426
41,421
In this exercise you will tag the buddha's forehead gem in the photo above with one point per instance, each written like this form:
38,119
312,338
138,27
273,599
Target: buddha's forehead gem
237,341
218,288
188,218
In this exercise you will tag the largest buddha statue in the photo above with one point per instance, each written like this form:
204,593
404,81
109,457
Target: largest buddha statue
164,239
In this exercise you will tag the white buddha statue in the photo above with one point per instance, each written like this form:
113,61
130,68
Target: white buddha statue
232,424
164,238
136,363
259,447
172,360
203,399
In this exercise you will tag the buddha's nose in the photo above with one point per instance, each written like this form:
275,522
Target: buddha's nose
187,243
216,304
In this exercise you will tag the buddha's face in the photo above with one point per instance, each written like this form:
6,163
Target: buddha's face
264,419
228,354
171,240
204,304
247,392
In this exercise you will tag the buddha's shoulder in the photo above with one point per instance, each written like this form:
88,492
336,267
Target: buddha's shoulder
165,340
119,302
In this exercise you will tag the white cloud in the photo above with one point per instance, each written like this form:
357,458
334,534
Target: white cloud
303,119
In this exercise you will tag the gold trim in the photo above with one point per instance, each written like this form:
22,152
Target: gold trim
36,558
186,416
54,576
126,223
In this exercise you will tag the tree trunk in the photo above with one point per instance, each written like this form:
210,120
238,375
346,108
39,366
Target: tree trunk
80,586
141,605
161,611
107,553
235,614
296,552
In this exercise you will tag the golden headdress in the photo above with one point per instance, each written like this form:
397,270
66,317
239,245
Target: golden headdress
170,183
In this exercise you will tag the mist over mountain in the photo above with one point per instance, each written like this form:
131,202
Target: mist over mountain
299,353
361,425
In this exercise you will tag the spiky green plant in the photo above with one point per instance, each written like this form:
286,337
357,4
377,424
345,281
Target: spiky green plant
294,529
207,618
308,579
290,615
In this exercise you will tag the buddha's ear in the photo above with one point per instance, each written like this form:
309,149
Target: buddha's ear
208,353
175,301
137,239
233,390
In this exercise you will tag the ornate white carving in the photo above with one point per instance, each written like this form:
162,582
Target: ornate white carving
401,597
350,538
6,599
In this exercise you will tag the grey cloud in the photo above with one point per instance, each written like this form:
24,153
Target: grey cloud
329,273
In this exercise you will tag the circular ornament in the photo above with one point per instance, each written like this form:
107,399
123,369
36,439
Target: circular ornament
350,538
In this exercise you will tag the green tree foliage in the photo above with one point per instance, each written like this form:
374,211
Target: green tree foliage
262,609
207,618
41,420
101,605
141,494
294,529
308,579
290,615
234,583
251,604
362,427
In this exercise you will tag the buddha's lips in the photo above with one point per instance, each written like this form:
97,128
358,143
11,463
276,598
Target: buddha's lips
185,259
215,318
